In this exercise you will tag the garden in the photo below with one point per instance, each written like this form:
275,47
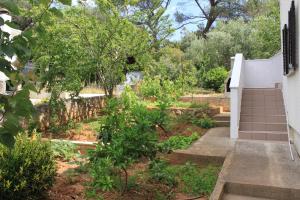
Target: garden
119,149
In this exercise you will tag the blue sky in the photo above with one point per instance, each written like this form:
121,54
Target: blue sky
186,7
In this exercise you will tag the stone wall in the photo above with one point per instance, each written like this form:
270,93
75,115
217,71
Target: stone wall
222,102
75,110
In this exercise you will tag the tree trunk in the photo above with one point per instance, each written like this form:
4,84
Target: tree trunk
126,181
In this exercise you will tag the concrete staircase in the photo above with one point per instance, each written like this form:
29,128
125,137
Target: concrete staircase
222,119
263,115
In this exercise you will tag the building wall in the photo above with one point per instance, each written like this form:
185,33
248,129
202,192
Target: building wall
291,84
263,73
2,87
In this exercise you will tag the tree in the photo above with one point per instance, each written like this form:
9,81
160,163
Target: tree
17,108
210,11
150,14
86,45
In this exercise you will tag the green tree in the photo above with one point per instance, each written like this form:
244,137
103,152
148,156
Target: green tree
84,47
17,108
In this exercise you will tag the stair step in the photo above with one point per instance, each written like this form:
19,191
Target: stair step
263,118
259,126
222,117
256,192
241,197
221,123
264,135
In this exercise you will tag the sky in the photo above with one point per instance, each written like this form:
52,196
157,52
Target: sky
184,6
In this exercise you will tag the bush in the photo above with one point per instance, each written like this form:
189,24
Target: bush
160,172
27,170
214,78
205,122
178,142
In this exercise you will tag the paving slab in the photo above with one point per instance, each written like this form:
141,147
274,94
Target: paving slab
260,169
211,148
216,142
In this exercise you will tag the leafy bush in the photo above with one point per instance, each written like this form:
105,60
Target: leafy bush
159,172
178,142
128,134
26,170
64,150
215,78
205,122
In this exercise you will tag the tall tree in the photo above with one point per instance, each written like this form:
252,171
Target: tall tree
209,12
151,14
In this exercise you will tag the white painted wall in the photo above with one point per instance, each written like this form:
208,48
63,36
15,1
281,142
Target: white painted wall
236,90
291,84
263,73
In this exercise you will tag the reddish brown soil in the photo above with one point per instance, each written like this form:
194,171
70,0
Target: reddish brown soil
84,134
68,185
185,129
71,186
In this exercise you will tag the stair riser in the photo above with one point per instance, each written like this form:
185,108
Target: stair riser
222,123
222,118
262,127
263,119
261,191
263,136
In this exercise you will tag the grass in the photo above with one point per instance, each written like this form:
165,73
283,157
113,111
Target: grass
178,142
189,178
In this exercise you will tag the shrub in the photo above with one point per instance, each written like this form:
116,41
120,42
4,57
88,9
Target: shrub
215,78
63,150
205,122
26,170
178,142
128,133
160,172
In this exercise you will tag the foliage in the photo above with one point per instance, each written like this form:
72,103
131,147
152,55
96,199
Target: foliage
128,133
162,90
154,19
178,142
173,66
215,78
108,47
159,172
199,181
191,179
63,150
204,122
26,170
15,53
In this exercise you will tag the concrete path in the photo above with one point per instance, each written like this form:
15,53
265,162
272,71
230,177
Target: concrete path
211,148
261,170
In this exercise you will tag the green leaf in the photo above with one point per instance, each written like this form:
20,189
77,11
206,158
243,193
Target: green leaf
9,5
56,12
66,2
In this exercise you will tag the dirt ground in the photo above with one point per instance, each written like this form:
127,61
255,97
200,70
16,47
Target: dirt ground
71,186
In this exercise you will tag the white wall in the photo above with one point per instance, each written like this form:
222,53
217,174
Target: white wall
291,84
263,73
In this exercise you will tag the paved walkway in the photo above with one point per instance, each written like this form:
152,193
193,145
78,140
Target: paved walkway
259,169
211,148
252,169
